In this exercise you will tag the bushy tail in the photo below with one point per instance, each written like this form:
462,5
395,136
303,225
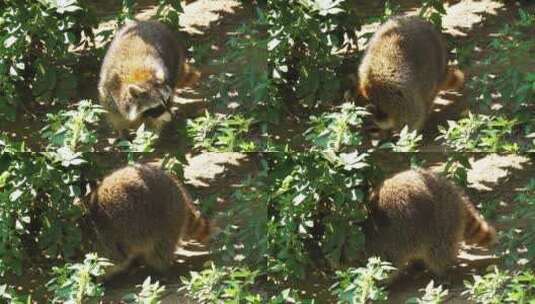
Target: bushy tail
454,79
188,77
477,230
197,226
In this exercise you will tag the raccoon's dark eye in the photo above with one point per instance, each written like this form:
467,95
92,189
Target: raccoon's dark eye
154,112
143,95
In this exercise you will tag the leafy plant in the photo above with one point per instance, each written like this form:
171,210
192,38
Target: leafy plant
332,131
221,133
407,142
36,207
151,293
75,283
246,241
502,287
222,285
302,35
9,295
506,87
315,204
432,295
519,240
480,133
37,63
433,10
168,12
74,130
360,285
456,168
143,141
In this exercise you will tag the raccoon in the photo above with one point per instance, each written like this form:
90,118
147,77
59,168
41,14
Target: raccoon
404,67
417,215
141,212
142,67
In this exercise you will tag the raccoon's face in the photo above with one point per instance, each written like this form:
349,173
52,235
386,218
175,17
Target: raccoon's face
145,102
379,103
382,119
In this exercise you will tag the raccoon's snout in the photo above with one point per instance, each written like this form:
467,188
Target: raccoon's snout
132,113
154,112
381,119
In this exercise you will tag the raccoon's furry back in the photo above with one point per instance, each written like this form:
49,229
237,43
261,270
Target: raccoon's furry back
419,215
402,70
144,59
142,44
134,207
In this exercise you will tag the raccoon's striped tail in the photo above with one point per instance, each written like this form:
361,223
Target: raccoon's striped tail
188,76
477,230
197,226
454,79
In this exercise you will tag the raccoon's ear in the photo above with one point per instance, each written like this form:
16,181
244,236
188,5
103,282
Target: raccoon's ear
114,84
135,90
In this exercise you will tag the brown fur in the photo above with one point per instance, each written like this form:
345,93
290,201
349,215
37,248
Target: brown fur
419,215
403,69
142,67
141,211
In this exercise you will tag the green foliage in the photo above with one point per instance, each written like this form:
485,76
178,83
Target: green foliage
289,296
76,283
151,293
248,87
508,79
9,295
480,132
432,295
221,133
456,168
11,146
37,213
73,130
143,141
168,12
332,131
37,63
303,38
502,287
316,201
234,285
222,285
408,141
360,285
433,10
246,241
519,240
506,86
243,89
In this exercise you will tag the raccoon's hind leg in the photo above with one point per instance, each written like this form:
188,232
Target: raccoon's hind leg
440,257
161,256
114,270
